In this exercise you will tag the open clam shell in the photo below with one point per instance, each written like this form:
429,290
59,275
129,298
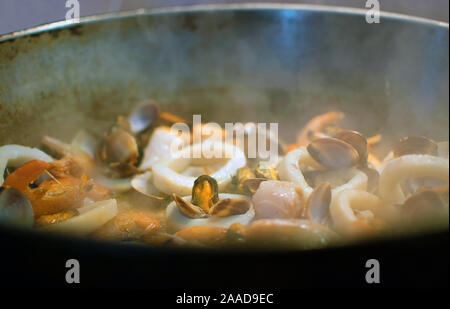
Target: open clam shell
143,183
143,116
318,203
358,141
333,153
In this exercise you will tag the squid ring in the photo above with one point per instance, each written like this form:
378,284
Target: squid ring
179,221
289,169
409,166
16,155
167,176
343,205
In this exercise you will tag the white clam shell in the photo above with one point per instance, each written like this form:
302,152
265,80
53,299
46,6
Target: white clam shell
143,183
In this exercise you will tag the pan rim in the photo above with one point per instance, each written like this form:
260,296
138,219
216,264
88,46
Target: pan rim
218,8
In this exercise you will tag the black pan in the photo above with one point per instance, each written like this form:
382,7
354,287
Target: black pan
271,63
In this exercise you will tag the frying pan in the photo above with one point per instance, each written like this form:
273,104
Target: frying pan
229,63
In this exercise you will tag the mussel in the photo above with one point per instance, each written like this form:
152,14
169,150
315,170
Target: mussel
205,201
205,192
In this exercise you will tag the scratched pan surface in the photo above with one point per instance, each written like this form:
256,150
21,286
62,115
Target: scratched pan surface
271,63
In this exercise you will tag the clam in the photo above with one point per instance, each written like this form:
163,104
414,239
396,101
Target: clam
333,153
119,151
358,141
85,141
15,208
119,146
143,183
143,116
427,204
146,114
318,203
415,145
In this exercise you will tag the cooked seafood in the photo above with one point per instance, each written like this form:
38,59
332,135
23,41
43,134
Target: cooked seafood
356,211
167,175
279,199
178,220
297,233
290,169
147,182
407,167
13,156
